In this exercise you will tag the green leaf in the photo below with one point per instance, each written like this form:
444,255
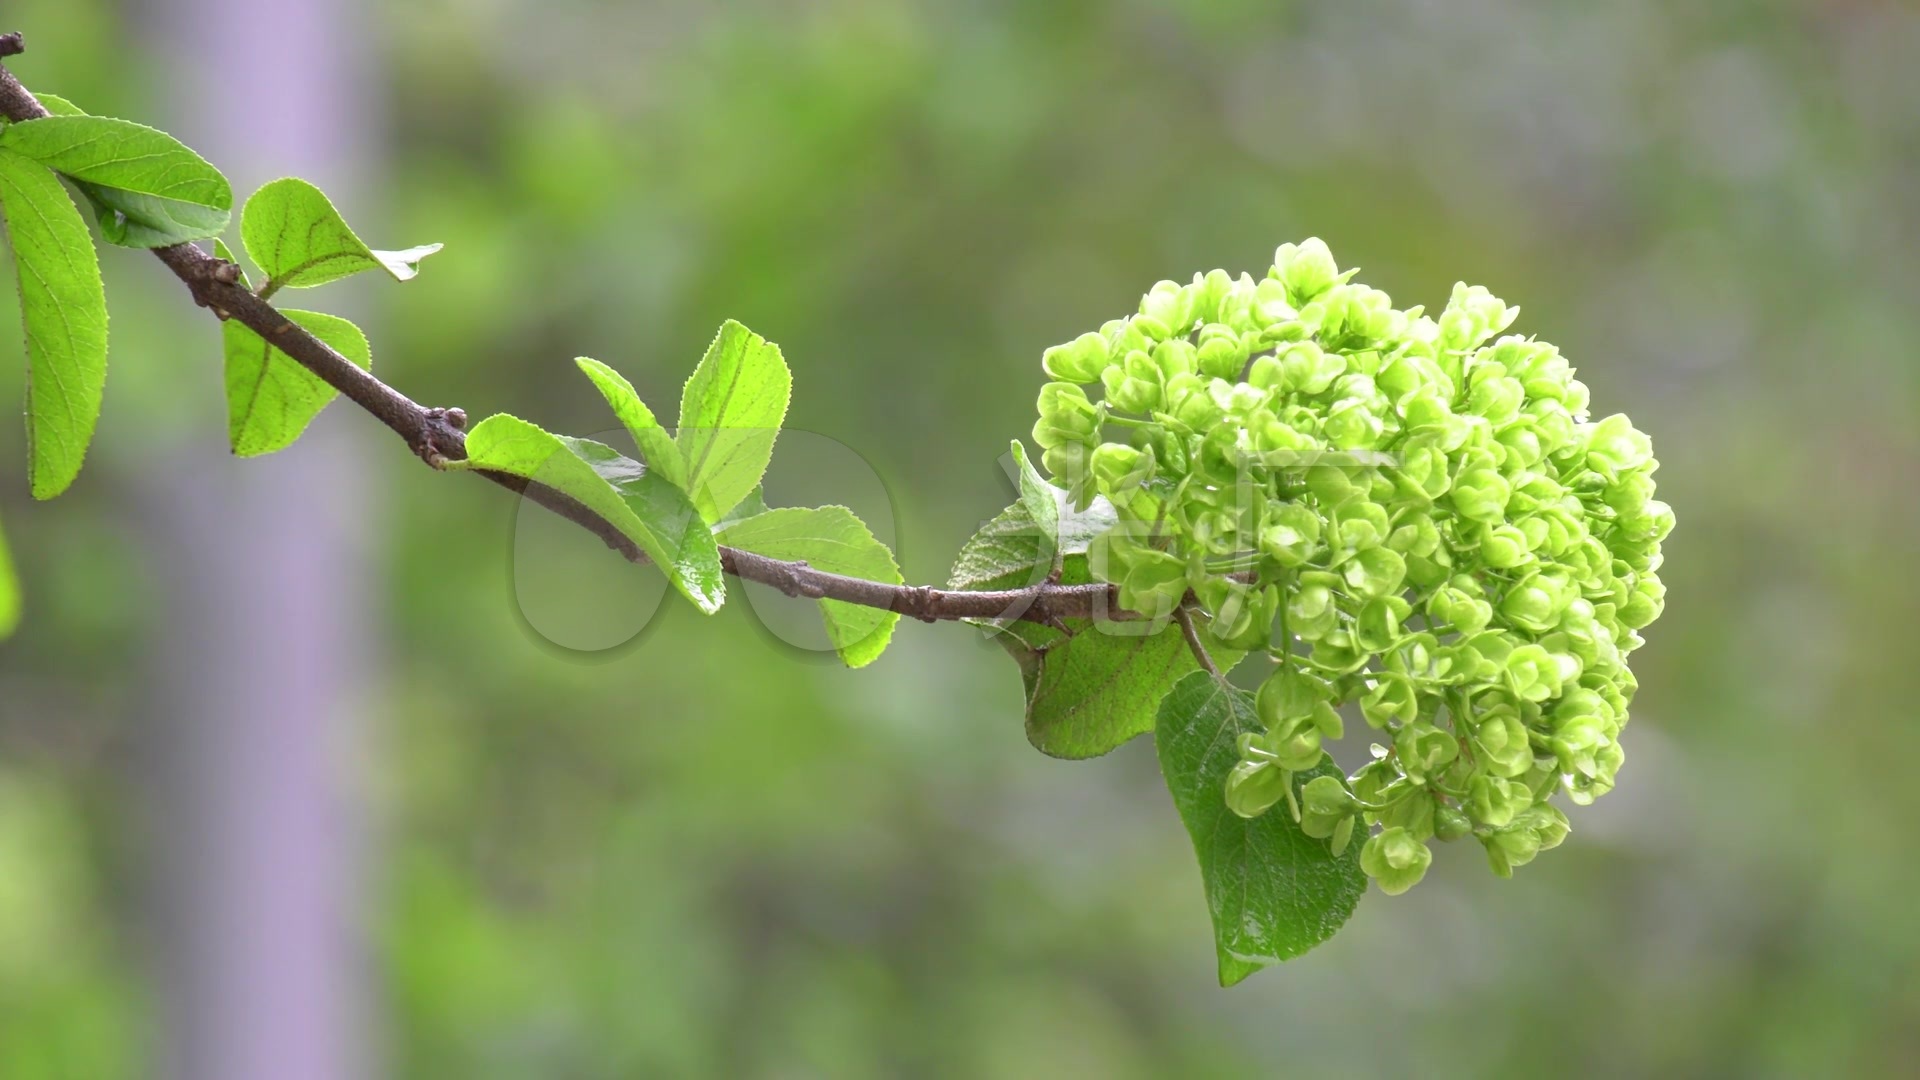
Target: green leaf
64,309
1010,551
271,398
653,514
221,250
148,189
292,232
1043,503
58,105
832,539
730,413
9,592
1089,688
656,446
1273,891
753,505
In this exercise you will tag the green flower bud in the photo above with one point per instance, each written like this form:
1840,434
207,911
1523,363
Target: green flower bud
1522,444
1481,495
1352,425
1375,572
1419,537
1359,525
1424,750
1308,370
1425,409
1292,535
1504,547
1193,406
1498,400
1408,807
1614,446
1533,673
1378,628
1124,336
1342,836
1423,471
1324,804
1307,268
1079,361
1648,599
1270,305
1151,328
1170,305
1332,485
1311,614
1208,291
1066,416
1298,751
1288,698
1254,786
1537,602
1176,357
1577,745
1507,848
1502,742
1460,609
1119,469
1266,373
1629,493
1393,698
1651,523
1450,824
1395,860
1428,571
1326,720
1068,465
1129,394
1242,615
1336,651
1494,802
1548,823
1222,355
1151,581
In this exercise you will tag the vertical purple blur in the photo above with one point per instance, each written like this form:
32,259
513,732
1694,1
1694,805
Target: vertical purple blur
263,658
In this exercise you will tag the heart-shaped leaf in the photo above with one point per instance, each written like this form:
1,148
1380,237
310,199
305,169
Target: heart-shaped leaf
1273,891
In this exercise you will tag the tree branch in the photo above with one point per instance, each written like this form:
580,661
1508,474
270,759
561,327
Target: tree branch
438,436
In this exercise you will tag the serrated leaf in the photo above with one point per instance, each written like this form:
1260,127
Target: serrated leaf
730,414
9,592
298,240
1091,687
1043,502
148,189
1008,552
753,505
833,539
655,515
1273,891
271,398
58,105
63,307
656,446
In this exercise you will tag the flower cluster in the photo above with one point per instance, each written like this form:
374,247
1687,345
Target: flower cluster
1410,513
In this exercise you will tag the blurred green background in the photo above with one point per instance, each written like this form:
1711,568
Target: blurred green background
709,853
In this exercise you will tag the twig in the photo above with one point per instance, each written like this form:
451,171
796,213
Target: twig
437,436
1184,616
